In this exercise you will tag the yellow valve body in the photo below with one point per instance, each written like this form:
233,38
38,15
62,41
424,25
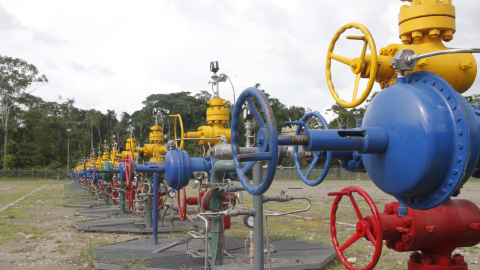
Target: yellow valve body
426,17
156,135
156,138
423,26
105,156
217,113
130,146
113,157
217,116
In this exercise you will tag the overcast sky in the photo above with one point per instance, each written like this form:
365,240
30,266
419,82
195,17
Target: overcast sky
113,54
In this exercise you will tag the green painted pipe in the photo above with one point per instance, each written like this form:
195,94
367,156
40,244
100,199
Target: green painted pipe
216,225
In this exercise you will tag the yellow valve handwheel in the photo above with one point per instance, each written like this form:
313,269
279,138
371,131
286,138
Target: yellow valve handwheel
359,66
182,142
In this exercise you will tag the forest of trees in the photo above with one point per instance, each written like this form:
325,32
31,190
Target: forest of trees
35,133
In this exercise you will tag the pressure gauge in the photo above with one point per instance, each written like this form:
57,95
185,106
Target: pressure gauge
249,221
172,193
239,196
247,113
162,189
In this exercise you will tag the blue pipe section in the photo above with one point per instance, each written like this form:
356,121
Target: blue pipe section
155,208
372,140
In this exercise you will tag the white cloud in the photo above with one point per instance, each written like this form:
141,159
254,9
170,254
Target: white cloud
113,54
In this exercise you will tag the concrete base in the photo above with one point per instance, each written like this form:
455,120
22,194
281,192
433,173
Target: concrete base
137,254
114,211
135,225
79,198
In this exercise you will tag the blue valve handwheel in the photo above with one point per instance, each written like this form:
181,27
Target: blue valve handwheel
304,177
267,141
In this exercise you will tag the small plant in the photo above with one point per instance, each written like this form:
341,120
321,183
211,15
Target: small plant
89,254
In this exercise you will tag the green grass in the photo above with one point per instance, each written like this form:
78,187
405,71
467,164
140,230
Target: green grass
24,249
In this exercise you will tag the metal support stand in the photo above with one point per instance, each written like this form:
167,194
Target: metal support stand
258,263
99,197
148,212
107,197
121,194
216,229
155,208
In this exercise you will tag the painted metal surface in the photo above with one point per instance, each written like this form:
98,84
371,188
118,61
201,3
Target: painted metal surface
371,230
267,141
179,167
217,118
361,66
432,149
436,232
423,27
316,154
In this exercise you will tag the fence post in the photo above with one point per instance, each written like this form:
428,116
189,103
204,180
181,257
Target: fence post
45,173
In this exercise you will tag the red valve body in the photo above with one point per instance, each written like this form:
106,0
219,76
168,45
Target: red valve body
227,221
435,232
195,200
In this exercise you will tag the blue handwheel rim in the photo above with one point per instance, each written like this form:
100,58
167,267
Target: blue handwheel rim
295,152
272,140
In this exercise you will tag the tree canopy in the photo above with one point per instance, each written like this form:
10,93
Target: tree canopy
39,128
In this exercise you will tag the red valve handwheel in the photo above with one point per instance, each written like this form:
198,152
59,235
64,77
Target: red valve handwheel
363,228
128,169
182,210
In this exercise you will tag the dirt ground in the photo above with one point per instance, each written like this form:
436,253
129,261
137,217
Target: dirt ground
36,232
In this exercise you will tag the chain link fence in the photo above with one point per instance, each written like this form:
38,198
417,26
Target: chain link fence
33,174
334,173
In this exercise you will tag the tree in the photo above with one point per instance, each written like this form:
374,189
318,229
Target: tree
17,78
475,98
92,120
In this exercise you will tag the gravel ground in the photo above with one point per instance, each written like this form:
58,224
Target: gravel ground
36,232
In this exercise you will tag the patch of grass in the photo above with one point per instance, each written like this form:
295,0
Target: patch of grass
24,249
62,249
9,231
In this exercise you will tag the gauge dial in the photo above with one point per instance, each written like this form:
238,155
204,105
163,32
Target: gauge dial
249,221
247,113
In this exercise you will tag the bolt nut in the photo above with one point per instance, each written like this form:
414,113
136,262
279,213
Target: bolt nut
458,259
389,244
475,226
434,33
431,228
407,237
424,62
444,262
406,221
415,257
416,35
406,39
399,246
466,65
427,261
447,35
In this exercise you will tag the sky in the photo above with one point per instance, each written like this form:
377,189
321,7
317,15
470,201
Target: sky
111,55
